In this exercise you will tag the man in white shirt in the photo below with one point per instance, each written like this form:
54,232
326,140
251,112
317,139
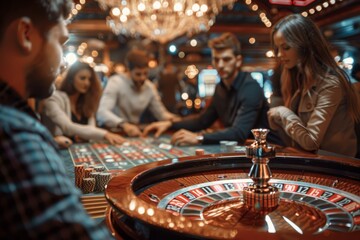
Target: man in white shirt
127,96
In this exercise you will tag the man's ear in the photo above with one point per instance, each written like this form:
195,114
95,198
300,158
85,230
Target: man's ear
238,61
24,39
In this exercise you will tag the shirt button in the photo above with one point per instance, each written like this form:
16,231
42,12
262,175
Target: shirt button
308,105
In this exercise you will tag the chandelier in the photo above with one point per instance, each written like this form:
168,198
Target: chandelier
162,20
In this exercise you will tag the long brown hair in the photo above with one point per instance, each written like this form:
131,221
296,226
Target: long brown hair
316,61
87,103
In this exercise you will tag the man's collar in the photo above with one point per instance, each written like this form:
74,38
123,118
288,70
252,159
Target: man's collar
236,84
9,97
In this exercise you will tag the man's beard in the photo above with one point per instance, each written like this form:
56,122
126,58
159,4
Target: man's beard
138,86
228,75
39,86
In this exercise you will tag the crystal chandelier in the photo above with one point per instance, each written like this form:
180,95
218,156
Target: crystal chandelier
162,20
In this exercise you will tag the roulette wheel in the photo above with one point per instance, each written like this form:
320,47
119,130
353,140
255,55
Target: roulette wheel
237,196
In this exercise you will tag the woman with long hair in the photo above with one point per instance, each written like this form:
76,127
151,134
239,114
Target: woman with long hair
70,111
320,105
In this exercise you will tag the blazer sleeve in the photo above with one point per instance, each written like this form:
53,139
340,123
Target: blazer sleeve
309,135
198,122
55,109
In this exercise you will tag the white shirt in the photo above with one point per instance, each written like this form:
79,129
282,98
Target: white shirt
123,102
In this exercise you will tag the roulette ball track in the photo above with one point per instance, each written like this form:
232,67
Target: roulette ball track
201,197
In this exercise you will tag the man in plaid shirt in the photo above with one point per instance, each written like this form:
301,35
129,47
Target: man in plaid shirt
37,200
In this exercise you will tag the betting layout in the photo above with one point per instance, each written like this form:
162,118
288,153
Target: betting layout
329,208
129,154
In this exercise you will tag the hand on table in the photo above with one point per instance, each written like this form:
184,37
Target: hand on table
184,137
131,130
114,138
158,127
274,117
63,142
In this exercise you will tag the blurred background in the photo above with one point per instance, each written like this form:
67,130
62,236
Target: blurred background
176,32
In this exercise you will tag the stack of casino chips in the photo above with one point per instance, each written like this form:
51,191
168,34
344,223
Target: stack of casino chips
99,168
88,185
91,179
88,171
79,175
101,180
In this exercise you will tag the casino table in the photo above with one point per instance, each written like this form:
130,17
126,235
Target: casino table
116,159
134,152
172,194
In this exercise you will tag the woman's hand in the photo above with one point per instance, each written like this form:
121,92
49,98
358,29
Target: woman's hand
277,116
157,127
62,141
274,118
131,130
114,138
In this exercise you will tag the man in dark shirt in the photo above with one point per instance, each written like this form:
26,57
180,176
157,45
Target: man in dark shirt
37,199
238,102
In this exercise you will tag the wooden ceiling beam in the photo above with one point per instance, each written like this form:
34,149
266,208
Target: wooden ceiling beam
241,28
339,16
89,25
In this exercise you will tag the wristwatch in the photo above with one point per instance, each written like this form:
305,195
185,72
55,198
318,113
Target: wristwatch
200,138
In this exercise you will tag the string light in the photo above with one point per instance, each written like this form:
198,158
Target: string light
76,9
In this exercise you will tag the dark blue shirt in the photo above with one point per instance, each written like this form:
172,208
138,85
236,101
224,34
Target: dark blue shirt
37,199
239,109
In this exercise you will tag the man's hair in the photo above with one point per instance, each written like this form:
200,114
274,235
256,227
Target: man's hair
44,13
137,59
225,41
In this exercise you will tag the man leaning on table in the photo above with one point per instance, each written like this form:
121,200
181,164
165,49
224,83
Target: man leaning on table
238,102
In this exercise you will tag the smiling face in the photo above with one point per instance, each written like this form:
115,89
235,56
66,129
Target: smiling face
82,81
288,56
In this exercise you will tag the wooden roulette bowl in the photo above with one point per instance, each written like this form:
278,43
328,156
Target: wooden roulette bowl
201,198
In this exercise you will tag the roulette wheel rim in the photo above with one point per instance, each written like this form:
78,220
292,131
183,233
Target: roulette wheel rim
122,191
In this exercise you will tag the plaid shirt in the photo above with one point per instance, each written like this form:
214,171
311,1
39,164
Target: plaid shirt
37,200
